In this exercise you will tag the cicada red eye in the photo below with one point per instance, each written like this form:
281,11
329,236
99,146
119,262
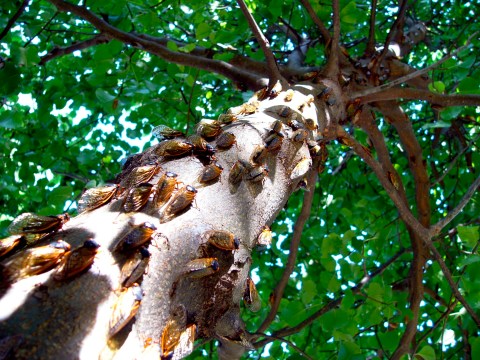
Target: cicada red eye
76,261
251,297
210,173
134,267
125,308
9,243
164,132
301,168
164,188
222,239
137,197
236,173
265,237
96,197
136,237
226,140
199,268
179,203
140,175
34,224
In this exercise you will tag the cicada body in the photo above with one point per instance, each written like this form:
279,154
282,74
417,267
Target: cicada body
301,168
134,267
164,188
225,119
173,147
393,179
210,173
209,129
95,197
140,175
251,297
125,308
299,135
257,174
185,343
273,142
180,202
137,197
245,109
199,268
289,95
258,155
236,173
277,126
76,261
311,124
222,239
136,237
9,243
200,145
226,140
165,132
265,237
30,223
35,261
172,331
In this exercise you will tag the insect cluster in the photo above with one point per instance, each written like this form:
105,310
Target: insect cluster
151,189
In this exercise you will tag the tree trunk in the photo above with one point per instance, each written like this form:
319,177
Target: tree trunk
69,319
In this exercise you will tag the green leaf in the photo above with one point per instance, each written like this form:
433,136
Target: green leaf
437,86
59,196
469,235
202,31
9,79
104,96
426,353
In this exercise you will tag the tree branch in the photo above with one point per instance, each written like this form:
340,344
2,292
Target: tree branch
264,44
56,52
435,229
294,244
14,18
220,67
313,15
332,68
393,30
371,36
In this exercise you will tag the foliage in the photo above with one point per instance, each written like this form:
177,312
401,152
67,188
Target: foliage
90,109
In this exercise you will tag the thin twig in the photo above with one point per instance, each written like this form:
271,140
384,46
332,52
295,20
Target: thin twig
42,29
294,244
289,343
435,229
14,18
371,37
412,75
332,67
313,15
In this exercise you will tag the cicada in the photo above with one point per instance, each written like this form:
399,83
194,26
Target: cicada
225,141
35,261
244,109
226,119
137,197
9,243
393,179
273,142
34,224
277,126
301,168
345,141
251,297
180,202
185,343
258,154
314,148
210,173
136,237
125,308
200,145
173,147
311,124
257,174
299,135
222,239
264,239
164,132
236,173
134,267
96,197
208,128
172,331
77,260
285,112
199,268
140,175
164,188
